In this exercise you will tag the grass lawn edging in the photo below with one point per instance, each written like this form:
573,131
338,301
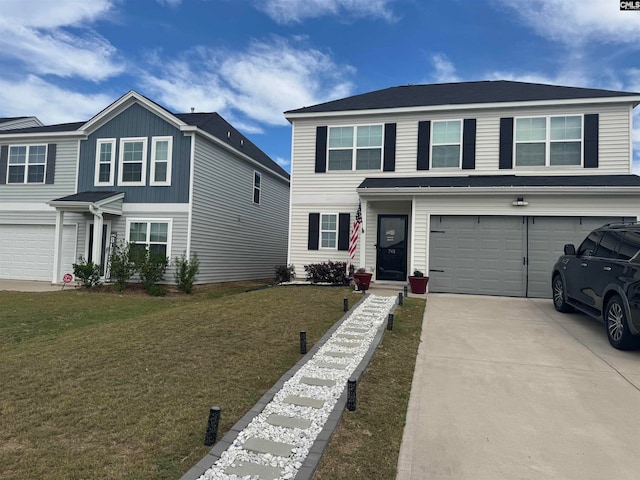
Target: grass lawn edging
313,458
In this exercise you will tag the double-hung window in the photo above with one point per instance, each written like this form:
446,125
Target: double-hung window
446,141
133,161
150,235
548,141
161,152
355,148
27,164
105,161
257,180
328,230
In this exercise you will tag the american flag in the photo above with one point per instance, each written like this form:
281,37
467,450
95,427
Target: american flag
355,232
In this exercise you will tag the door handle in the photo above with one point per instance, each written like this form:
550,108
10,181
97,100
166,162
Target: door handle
606,269
583,264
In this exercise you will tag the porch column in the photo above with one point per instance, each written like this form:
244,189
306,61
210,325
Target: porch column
363,240
98,224
57,247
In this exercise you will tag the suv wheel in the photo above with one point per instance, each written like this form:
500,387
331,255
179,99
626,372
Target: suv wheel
615,321
559,300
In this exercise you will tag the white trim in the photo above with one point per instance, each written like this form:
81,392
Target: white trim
192,162
26,164
169,161
320,230
155,208
433,144
631,99
412,246
354,147
630,139
112,161
143,174
423,191
293,134
149,221
77,166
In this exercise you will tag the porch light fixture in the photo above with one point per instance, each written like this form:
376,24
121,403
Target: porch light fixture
520,202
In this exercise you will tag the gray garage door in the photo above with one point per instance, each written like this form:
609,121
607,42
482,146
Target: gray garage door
491,255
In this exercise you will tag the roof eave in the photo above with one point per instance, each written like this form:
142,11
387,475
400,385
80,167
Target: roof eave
632,99
8,136
497,190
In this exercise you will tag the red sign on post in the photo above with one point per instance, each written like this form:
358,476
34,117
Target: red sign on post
67,278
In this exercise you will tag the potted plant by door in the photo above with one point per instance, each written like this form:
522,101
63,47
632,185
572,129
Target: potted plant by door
362,279
418,282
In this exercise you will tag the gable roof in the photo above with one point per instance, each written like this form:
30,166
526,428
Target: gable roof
483,92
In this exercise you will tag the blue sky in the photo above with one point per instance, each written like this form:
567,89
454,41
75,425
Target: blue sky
66,60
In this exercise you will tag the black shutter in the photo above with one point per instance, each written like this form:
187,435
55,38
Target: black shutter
469,144
389,164
314,231
321,149
4,155
505,157
424,140
51,163
591,131
343,231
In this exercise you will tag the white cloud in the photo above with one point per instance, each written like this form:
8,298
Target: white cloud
170,3
258,84
35,34
283,162
445,71
50,103
576,22
295,11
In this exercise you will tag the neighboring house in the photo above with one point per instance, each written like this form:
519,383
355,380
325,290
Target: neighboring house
19,122
477,184
136,172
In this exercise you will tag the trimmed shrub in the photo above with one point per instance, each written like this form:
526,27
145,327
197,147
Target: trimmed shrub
120,265
186,271
151,268
87,273
328,272
285,273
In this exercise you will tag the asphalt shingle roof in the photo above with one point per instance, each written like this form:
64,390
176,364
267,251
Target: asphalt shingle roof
503,181
89,197
489,91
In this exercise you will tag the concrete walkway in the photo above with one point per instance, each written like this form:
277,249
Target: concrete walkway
508,388
31,286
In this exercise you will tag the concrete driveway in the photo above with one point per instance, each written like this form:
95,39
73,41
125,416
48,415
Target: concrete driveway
508,388
31,286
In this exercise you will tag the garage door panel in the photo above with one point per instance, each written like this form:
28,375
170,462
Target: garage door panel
27,251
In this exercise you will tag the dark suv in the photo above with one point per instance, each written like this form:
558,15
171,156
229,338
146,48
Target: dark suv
602,279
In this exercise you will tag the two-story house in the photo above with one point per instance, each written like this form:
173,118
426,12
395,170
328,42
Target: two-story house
477,184
135,172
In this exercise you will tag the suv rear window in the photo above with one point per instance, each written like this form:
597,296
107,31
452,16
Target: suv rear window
608,244
630,245
589,245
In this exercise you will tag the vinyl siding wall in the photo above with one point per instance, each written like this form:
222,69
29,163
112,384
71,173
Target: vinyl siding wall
234,238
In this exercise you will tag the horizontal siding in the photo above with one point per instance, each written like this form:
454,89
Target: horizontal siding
234,238
64,181
614,146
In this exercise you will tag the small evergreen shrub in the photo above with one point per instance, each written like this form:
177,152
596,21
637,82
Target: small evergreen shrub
285,273
151,268
121,265
186,271
328,272
87,273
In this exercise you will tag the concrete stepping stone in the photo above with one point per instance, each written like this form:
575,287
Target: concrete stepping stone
338,354
263,472
262,445
304,401
348,344
349,336
288,422
318,382
333,366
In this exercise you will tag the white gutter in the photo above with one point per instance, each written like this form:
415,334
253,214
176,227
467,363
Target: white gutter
395,191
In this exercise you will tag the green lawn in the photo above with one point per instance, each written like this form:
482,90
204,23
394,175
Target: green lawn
118,386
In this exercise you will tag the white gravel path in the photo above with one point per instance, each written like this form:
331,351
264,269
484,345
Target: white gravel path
343,351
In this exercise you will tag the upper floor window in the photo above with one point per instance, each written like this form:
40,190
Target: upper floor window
257,180
27,164
548,141
355,148
328,230
105,161
133,161
446,141
161,153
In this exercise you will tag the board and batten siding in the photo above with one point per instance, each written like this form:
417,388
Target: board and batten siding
234,238
137,121
64,177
